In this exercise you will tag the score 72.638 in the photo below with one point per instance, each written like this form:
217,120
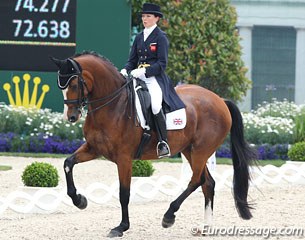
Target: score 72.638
40,27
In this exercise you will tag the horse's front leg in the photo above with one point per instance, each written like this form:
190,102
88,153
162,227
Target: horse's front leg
124,170
83,154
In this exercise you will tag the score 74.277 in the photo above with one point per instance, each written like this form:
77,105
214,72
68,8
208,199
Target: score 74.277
48,19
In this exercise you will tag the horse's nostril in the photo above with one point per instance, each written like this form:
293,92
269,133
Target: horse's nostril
72,119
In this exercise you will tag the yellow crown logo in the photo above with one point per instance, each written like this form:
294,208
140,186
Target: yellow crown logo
26,101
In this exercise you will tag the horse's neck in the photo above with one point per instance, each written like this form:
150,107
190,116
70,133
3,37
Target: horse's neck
105,86
116,105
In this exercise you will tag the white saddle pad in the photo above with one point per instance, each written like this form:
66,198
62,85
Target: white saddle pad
174,120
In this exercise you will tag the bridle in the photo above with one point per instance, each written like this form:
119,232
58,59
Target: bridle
82,100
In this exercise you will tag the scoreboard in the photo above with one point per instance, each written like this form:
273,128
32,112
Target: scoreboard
31,30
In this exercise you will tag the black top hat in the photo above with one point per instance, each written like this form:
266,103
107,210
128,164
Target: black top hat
152,8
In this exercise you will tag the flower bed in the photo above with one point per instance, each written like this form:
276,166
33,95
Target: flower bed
11,142
272,123
265,151
38,130
38,122
271,128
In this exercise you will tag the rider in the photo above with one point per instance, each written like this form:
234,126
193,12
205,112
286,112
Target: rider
147,61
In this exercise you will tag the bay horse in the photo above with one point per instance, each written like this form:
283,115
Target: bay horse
110,131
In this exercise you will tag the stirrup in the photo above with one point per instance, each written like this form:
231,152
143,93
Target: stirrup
163,154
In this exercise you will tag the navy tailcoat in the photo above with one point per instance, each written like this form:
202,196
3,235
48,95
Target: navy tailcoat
154,51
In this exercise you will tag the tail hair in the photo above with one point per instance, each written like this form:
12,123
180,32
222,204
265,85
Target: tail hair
243,156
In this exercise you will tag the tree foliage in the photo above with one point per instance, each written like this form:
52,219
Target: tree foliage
204,44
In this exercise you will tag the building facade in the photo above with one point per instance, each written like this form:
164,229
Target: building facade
273,42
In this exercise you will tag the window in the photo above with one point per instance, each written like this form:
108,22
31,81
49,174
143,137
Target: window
273,63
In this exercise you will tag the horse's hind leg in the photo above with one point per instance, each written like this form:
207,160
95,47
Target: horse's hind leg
208,191
197,180
81,155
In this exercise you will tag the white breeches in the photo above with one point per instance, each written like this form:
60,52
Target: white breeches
155,93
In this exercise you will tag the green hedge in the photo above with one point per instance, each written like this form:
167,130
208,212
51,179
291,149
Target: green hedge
40,174
297,152
142,168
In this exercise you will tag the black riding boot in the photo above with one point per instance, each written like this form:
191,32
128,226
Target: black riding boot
162,147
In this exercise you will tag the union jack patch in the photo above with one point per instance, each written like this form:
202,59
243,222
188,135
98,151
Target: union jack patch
153,47
177,121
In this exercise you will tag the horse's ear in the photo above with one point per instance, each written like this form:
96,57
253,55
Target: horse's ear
59,63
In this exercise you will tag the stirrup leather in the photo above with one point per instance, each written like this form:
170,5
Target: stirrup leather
163,154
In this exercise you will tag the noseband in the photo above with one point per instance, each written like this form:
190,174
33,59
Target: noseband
82,100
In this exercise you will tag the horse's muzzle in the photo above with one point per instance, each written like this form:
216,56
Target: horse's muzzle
74,115
72,119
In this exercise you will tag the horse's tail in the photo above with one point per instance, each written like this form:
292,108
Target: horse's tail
242,156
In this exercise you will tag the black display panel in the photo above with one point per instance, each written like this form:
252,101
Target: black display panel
33,30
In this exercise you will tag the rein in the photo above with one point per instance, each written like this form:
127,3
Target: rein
111,97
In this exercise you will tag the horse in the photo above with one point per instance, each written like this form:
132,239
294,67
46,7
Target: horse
110,130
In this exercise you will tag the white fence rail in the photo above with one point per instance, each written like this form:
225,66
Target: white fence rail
144,189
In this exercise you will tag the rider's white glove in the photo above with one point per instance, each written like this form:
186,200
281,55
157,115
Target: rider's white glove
124,72
138,73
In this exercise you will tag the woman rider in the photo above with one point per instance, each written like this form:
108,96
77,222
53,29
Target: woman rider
147,61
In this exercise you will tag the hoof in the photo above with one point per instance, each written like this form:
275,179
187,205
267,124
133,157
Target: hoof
82,202
115,233
168,222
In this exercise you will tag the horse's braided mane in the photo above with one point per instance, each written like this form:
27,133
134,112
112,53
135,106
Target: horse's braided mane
93,53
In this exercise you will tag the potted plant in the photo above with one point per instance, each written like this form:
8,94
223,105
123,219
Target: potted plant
40,181
40,174
297,152
142,184
142,168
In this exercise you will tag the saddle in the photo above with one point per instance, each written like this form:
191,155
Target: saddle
145,101
174,120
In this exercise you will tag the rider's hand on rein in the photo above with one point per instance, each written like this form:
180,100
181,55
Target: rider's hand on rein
138,73
124,72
